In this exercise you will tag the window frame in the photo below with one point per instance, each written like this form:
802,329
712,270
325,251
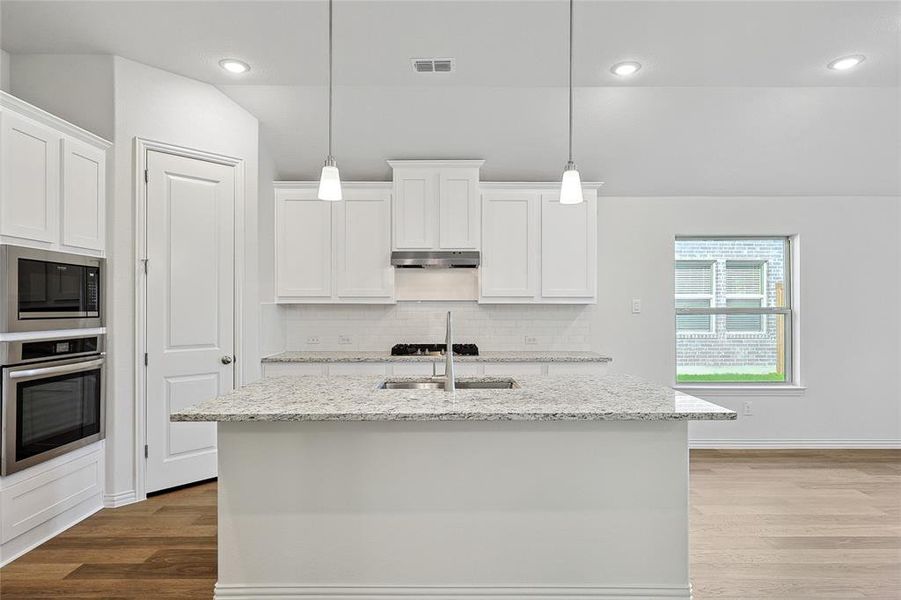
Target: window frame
711,298
761,297
787,311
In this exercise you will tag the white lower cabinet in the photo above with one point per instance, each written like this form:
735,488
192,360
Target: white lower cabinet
536,250
39,502
333,252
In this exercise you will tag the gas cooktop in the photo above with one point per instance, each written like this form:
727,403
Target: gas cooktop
433,350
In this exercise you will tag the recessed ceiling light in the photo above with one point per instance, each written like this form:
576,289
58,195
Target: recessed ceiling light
624,69
846,62
233,65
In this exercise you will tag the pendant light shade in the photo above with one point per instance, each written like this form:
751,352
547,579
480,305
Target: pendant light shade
329,179
330,182
571,186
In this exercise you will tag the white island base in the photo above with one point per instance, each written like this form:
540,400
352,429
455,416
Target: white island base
446,510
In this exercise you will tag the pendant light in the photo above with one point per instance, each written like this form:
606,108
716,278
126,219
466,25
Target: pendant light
571,186
330,180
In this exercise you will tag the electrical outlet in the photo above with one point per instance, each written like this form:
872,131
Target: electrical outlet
531,340
636,306
313,339
747,409
344,339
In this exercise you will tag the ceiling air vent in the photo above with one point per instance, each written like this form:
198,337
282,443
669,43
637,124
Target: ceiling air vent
433,65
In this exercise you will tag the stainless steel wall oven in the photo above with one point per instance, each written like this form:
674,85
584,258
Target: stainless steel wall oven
44,290
52,398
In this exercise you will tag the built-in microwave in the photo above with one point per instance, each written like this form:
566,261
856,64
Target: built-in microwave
44,290
52,398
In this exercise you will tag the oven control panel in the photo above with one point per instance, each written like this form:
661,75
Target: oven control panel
59,348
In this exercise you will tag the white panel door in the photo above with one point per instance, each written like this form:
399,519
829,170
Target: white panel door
190,311
568,248
458,209
415,220
510,246
303,245
363,244
29,169
83,196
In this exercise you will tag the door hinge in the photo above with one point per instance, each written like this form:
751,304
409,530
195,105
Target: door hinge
146,451
146,176
146,359
145,261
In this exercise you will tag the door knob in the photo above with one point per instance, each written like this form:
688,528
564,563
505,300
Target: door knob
226,360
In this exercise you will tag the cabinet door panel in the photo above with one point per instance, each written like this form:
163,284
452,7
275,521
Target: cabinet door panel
414,211
29,165
363,249
84,197
568,248
459,203
303,245
509,245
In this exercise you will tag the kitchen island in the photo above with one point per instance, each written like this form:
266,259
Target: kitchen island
561,488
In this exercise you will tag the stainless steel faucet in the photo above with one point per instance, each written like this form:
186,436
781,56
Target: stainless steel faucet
450,384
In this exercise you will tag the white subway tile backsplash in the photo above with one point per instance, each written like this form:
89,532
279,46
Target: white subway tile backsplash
492,327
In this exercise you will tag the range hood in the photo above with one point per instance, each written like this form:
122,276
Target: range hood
435,259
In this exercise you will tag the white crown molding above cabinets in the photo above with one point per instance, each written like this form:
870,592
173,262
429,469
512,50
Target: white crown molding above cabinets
52,181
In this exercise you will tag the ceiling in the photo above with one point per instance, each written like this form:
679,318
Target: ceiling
494,42
733,97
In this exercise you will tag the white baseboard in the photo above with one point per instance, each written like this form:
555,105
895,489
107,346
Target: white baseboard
120,499
795,444
306,592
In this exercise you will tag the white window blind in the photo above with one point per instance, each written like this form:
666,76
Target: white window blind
695,288
745,288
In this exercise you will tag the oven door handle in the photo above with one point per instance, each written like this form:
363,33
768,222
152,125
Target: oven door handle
58,370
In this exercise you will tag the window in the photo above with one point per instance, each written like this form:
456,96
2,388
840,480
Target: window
733,312
745,288
694,289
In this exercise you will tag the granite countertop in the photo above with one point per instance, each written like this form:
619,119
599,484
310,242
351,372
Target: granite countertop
493,357
584,397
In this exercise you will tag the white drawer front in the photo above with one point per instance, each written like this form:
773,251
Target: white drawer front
338,369
282,369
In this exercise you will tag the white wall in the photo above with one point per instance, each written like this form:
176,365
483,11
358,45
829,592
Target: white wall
641,141
4,71
848,309
77,87
157,105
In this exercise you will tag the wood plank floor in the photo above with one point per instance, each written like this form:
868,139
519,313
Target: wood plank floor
788,525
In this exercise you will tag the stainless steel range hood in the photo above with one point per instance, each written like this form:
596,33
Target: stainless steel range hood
435,259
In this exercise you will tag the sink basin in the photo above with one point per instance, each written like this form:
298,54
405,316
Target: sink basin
438,384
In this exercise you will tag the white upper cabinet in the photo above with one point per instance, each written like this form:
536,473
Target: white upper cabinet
459,207
52,181
363,244
83,196
29,163
509,246
436,204
536,250
303,245
415,216
568,248
333,252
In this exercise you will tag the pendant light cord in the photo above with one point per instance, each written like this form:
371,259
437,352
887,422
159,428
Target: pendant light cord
330,79
570,81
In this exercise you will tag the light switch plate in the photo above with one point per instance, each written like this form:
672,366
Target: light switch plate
636,306
313,339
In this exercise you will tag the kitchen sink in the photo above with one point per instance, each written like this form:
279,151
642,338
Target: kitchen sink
438,384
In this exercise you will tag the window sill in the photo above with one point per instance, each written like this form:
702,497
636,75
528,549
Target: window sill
742,390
